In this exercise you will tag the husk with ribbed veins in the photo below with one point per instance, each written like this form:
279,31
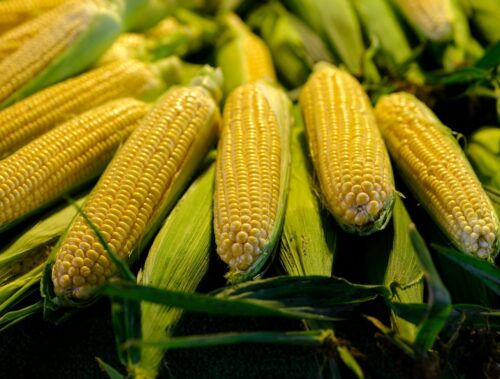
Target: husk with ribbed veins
43,233
178,260
100,33
282,108
54,306
309,235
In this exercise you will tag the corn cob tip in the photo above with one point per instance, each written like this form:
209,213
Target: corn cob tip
439,174
169,69
354,174
211,79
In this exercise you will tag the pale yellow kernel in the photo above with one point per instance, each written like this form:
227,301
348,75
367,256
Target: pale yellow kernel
65,281
373,208
241,237
85,271
77,262
78,281
360,219
248,248
356,188
103,261
362,198
235,226
236,250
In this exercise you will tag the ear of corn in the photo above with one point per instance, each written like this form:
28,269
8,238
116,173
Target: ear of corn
178,260
433,18
347,150
381,24
243,56
308,239
54,52
437,172
15,12
336,23
136,191
295,48
483,151
63,159
251,178
35,115
14,38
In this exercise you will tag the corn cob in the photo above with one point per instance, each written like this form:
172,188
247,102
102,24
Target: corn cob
138,188
15,12
14,38
308,238
433,18
381,24
336,23
50,54
251,177
295,48
242,56
171,266
33,116
63,158
347,149
439,175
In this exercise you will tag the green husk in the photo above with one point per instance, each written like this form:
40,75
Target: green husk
14,287
336,23
308,239
231,51
381,23
282,108
98,34
209,79
485,15
404,274
177,260
483,151
464,50
294,46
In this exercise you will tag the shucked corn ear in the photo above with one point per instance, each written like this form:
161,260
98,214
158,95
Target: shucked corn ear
336,23
295,48
437,172
243,56
178,260
53,52
33,116
351,161
381,23
308,238
138,188
433,18
64,158
252,173
15,12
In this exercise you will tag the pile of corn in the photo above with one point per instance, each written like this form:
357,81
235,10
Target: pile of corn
95,102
